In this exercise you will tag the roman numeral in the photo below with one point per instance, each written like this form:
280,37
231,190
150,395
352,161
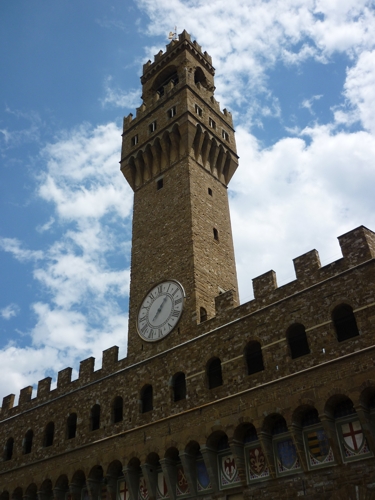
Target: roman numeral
160,289
176,314
178,301
143,329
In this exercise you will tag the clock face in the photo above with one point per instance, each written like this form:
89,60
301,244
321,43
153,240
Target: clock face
160,310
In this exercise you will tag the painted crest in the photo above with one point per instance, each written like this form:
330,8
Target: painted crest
162,486
203,478
287,455
257,461
182,487
318,444
143,492
353,435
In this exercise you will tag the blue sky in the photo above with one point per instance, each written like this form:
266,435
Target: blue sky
299,78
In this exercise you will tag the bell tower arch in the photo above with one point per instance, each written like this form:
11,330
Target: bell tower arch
178,155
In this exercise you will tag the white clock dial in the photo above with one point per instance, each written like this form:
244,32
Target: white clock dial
160,310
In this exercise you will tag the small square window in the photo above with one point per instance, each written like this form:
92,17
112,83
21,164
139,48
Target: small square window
172,112
211,123
152,126
134,140
159,184
225,135
198,110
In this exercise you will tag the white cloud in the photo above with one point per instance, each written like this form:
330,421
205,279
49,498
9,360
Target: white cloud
91,207
41,228
360,89
254,35
119,98
296,196
9,311
14,246
308,103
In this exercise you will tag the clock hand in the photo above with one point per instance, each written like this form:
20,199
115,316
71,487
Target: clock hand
160,308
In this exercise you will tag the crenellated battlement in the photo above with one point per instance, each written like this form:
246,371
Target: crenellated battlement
184,41
87,373
357,246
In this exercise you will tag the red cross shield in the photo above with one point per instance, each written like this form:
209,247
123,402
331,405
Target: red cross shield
353,435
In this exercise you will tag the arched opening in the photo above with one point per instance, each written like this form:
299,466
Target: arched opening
202,314
199,77
95,418
49,434
254,358
28,442
297,340
179,387
71,426
168,75
344,322
117,410
146,399
214,374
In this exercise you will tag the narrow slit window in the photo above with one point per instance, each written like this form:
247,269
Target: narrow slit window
210,191
134,140
214,374
147,399
152,126
71,426
159,184
216,234
95,418
49,434
172,112
179,387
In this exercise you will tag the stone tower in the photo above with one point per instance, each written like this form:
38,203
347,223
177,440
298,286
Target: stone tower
178,155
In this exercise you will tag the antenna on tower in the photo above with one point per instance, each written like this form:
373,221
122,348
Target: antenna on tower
173,34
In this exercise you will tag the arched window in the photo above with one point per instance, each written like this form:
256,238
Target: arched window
202,314
95,418
117,410
49,434
179,387
8,452
344,409
146,399
254,358
297,340
71,426
215,378
28,442
344,322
